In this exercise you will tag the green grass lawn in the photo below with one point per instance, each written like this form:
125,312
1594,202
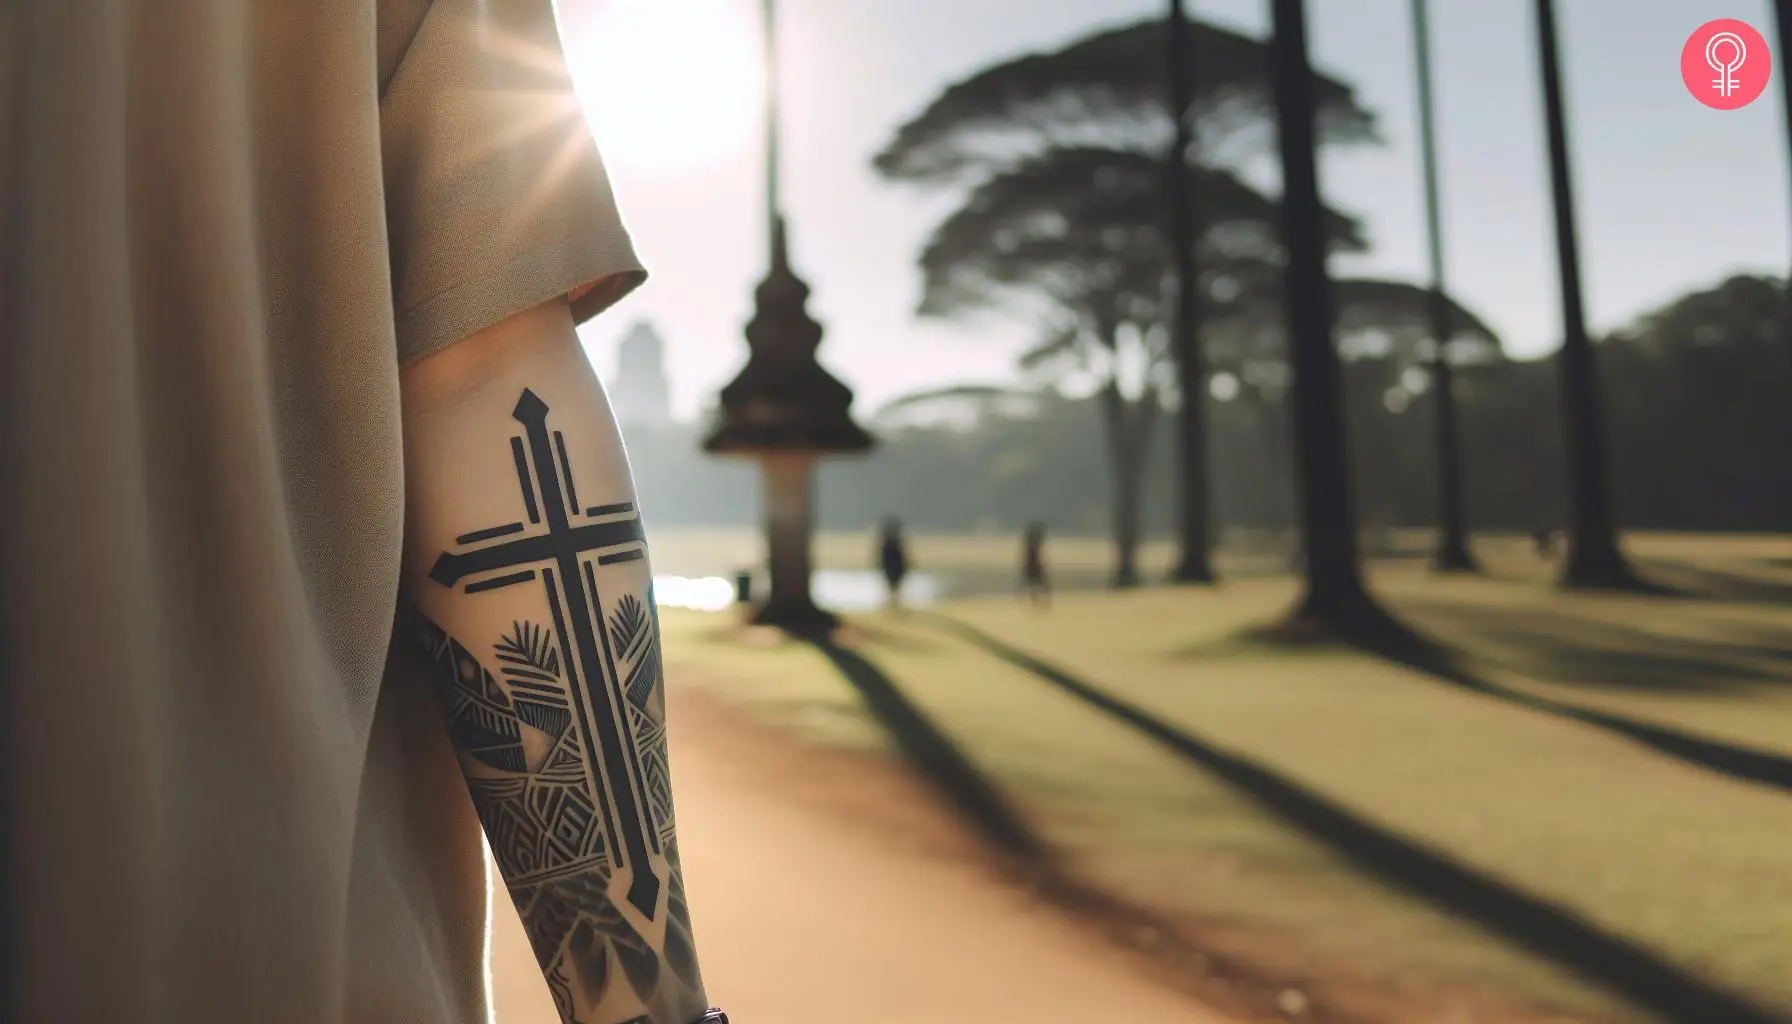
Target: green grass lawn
1687,865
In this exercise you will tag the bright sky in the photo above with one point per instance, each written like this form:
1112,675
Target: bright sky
1671,194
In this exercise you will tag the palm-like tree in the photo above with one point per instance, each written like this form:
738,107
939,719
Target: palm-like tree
1335,595
1594,557
1194,563
1452,553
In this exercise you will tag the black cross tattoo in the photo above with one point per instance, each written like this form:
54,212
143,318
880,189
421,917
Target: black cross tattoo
545,471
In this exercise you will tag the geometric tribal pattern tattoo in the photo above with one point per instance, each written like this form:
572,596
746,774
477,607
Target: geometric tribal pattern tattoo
564,744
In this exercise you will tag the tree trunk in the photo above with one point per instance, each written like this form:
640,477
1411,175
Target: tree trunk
1194,562
1335,595
1452,553
1128,427
1594,558
1782,16
1275,466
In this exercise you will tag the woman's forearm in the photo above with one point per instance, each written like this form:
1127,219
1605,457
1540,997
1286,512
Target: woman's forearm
527,588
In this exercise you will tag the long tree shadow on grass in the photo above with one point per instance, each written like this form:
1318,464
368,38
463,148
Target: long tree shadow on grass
1596,653
1385,637
939,761
982,805
1734,760
1715,584
1403,864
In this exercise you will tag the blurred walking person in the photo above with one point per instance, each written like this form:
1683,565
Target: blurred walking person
892,556
1035,585
1543,539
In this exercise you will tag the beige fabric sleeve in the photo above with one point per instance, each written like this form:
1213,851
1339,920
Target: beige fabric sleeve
496,198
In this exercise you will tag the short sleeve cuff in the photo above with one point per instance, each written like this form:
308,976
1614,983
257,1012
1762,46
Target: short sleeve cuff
591,278
496,197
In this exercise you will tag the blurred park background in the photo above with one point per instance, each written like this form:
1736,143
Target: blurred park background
1435,665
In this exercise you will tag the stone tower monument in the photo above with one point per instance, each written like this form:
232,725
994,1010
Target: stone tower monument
641,393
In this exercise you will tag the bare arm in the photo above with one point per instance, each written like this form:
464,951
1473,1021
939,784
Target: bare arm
526,582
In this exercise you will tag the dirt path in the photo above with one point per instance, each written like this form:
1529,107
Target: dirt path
808,914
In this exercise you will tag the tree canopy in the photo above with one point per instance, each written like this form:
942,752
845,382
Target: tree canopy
1088,212
1074,239
1108,91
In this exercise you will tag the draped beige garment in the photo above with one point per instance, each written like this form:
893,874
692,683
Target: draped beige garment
228,222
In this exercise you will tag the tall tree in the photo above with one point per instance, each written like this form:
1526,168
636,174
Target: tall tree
1335,595
1072,242
1782,17
1594,557
1194,560
1452,554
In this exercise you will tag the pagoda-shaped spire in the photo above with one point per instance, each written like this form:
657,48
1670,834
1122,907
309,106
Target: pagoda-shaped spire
784,408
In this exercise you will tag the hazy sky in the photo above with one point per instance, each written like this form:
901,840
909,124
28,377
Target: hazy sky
1671,194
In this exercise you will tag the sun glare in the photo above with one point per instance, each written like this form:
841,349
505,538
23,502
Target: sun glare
669,85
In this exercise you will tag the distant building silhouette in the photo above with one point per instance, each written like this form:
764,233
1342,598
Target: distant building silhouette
641,393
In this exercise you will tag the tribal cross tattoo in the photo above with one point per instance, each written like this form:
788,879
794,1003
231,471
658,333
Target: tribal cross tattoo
564,745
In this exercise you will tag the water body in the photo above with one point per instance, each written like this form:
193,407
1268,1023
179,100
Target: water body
845,590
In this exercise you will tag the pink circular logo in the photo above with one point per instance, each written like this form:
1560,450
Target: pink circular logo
1725,64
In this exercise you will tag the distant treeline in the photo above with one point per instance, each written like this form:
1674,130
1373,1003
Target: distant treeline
1695,404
